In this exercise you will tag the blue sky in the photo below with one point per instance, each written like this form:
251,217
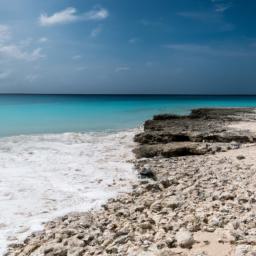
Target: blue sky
128,46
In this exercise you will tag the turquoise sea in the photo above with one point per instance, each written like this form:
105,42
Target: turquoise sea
33,114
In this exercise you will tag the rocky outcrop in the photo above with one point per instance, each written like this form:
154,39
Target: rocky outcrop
171,135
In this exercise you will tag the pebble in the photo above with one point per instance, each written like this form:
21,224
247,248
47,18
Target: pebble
184,238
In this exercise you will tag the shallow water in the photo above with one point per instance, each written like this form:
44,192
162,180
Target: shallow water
32,114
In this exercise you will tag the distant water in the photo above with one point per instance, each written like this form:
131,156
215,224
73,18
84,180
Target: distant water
34,114
61,156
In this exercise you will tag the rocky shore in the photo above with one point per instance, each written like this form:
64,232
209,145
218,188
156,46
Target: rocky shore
196,195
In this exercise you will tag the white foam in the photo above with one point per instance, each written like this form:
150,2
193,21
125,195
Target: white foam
45,176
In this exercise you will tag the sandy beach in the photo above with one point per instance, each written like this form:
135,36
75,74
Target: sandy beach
195,195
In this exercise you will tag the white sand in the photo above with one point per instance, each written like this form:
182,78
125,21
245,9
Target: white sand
248,126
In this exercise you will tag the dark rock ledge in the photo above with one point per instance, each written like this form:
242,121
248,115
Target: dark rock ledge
203,131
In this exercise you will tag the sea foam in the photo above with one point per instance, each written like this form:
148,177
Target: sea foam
45,176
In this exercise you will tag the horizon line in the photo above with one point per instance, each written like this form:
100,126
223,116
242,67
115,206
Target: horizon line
123,94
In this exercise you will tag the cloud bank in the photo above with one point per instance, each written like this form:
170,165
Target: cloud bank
70,15
14,52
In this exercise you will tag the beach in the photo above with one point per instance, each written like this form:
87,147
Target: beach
195,195
128,128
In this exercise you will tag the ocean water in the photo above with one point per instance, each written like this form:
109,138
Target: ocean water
31,114
60,154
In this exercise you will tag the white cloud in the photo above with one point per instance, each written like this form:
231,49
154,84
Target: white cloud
70,15
97,14
120,69
222,7
35,55
43,40
15,52
95,32
62,17
5,33
4,74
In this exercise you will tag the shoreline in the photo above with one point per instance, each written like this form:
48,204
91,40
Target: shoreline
47,176
195,196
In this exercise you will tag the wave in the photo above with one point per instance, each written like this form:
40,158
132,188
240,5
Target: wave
49,175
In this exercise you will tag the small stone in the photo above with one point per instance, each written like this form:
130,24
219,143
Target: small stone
112,250
171,202
184,238
242,250
147,173
227,196
122,240
156,206
214,221
165,182
240,157
145,225
235,145
48,249
74,242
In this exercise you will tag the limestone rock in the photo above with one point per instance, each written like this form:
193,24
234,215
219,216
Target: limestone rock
184,238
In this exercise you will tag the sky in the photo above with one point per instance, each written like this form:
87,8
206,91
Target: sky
128,46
